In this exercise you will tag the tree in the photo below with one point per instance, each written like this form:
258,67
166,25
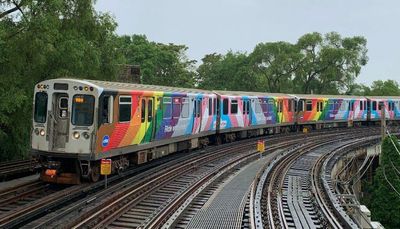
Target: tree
330,63
47,39
276,62
161,64
378,88
385,198
387,88
227,72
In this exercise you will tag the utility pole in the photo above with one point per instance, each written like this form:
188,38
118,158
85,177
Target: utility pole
383,120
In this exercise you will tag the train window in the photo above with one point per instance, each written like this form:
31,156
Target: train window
215,106
149,110
60,86
83,110
210,106
374,105
351,106
185,108
320,106
381,104
143,111
280,106
290,102
107,109
167,107
301,105
176,108
125,108
199,107
40,107
63,103
308,105
361,105
234,106
225,103
246,107
63,107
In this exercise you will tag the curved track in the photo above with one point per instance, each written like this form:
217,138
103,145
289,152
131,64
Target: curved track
292,195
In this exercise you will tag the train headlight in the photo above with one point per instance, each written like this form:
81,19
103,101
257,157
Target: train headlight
37,131
42,132
86,135
76,135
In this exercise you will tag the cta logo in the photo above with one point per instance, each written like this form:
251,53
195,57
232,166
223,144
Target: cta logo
106,140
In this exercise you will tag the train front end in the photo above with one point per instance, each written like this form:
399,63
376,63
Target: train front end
64,128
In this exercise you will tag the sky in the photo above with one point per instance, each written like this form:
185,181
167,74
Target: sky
208,26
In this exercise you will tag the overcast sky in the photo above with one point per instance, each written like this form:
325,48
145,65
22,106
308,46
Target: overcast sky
208,26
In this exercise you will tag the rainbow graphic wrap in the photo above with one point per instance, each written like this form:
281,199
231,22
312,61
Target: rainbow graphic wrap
392,108
172,115
263,111
324,109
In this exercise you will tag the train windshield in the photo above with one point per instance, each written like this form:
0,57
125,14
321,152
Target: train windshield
82,110
40,107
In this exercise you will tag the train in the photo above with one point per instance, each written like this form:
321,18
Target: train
77,123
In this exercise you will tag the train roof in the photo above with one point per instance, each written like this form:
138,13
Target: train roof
116,86
239,93
383,97
313,96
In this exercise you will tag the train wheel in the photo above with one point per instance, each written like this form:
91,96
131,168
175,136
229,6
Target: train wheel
95,173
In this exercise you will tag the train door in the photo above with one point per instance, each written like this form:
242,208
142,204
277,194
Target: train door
246,112
351,110
60,121
196,115
147,118
279,109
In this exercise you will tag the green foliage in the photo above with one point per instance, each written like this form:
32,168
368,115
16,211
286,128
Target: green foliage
229,72
275,63
42,40
160,64
329,64
385,202
315,64
388,87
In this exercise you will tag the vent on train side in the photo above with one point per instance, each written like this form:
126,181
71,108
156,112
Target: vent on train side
61,86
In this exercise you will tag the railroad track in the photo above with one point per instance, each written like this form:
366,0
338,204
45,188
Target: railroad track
77,210
290,194
112,208
19,168
181,217
25,193
148,204
66,207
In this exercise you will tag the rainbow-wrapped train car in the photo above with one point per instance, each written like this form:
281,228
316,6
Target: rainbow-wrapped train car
330,110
